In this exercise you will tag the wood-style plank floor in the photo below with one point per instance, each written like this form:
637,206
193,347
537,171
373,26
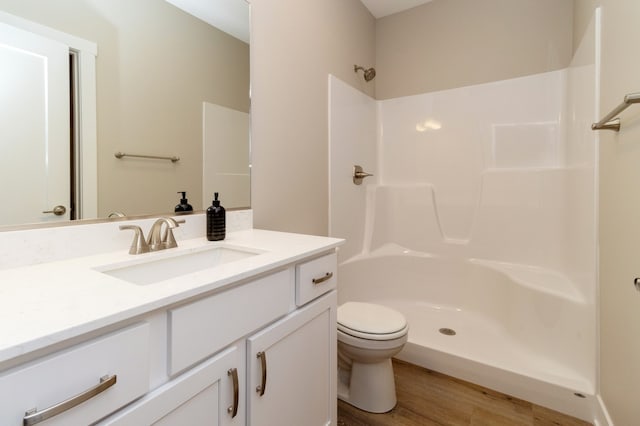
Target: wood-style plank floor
428,398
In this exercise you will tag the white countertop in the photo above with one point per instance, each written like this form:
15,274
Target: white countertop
48,303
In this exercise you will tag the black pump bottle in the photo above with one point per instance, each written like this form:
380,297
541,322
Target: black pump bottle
184,207
216,221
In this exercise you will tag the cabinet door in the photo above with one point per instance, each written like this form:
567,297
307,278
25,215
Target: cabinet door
204,395
297,357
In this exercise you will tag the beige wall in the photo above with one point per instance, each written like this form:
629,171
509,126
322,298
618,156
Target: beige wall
618,208
453,43
155,67
295,45
582,14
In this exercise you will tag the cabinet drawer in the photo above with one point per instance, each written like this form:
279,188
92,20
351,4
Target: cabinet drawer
315,277
204,327
70,373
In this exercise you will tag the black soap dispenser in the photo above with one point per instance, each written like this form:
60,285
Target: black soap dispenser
216,221
184,207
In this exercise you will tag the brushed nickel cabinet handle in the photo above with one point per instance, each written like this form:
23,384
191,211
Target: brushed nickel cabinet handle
233,410
33,416
263,361
326,277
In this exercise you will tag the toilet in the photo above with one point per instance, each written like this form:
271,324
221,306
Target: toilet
368,336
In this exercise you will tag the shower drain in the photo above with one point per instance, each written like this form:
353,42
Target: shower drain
447,331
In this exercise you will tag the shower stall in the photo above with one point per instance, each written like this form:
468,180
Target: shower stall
479,225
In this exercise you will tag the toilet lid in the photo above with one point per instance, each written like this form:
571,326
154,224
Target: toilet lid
371,321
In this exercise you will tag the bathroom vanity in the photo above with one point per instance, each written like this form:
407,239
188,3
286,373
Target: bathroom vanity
236,332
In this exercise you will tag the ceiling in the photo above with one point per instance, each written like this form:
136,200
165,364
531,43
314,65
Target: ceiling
380,8
232,16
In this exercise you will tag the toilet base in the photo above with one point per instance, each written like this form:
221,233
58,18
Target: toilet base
370,387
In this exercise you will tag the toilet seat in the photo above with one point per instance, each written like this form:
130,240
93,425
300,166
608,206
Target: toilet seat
371,322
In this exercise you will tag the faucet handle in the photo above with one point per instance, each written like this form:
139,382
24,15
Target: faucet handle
168,239
139,244
160,239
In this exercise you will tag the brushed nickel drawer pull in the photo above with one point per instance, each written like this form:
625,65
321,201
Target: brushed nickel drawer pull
326,277
263,361
33,416
233,410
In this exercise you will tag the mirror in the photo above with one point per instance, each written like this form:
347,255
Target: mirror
167,84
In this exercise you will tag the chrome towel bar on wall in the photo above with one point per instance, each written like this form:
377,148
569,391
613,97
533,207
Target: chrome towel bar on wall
611,123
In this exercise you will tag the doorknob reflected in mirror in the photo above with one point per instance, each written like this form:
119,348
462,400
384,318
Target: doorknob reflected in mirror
359,174
57,210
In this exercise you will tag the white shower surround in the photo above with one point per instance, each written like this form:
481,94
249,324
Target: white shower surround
480,217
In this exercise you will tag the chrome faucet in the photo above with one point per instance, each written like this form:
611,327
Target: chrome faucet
161,234
139,245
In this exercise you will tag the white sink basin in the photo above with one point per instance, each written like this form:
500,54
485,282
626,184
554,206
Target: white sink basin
167,268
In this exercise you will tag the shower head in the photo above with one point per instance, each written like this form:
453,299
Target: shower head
369,74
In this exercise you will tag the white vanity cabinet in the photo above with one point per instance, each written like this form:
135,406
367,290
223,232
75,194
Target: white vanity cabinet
250,343
250,356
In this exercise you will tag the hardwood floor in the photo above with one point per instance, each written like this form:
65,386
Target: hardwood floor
428,398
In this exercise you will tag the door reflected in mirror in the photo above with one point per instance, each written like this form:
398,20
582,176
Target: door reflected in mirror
166,84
